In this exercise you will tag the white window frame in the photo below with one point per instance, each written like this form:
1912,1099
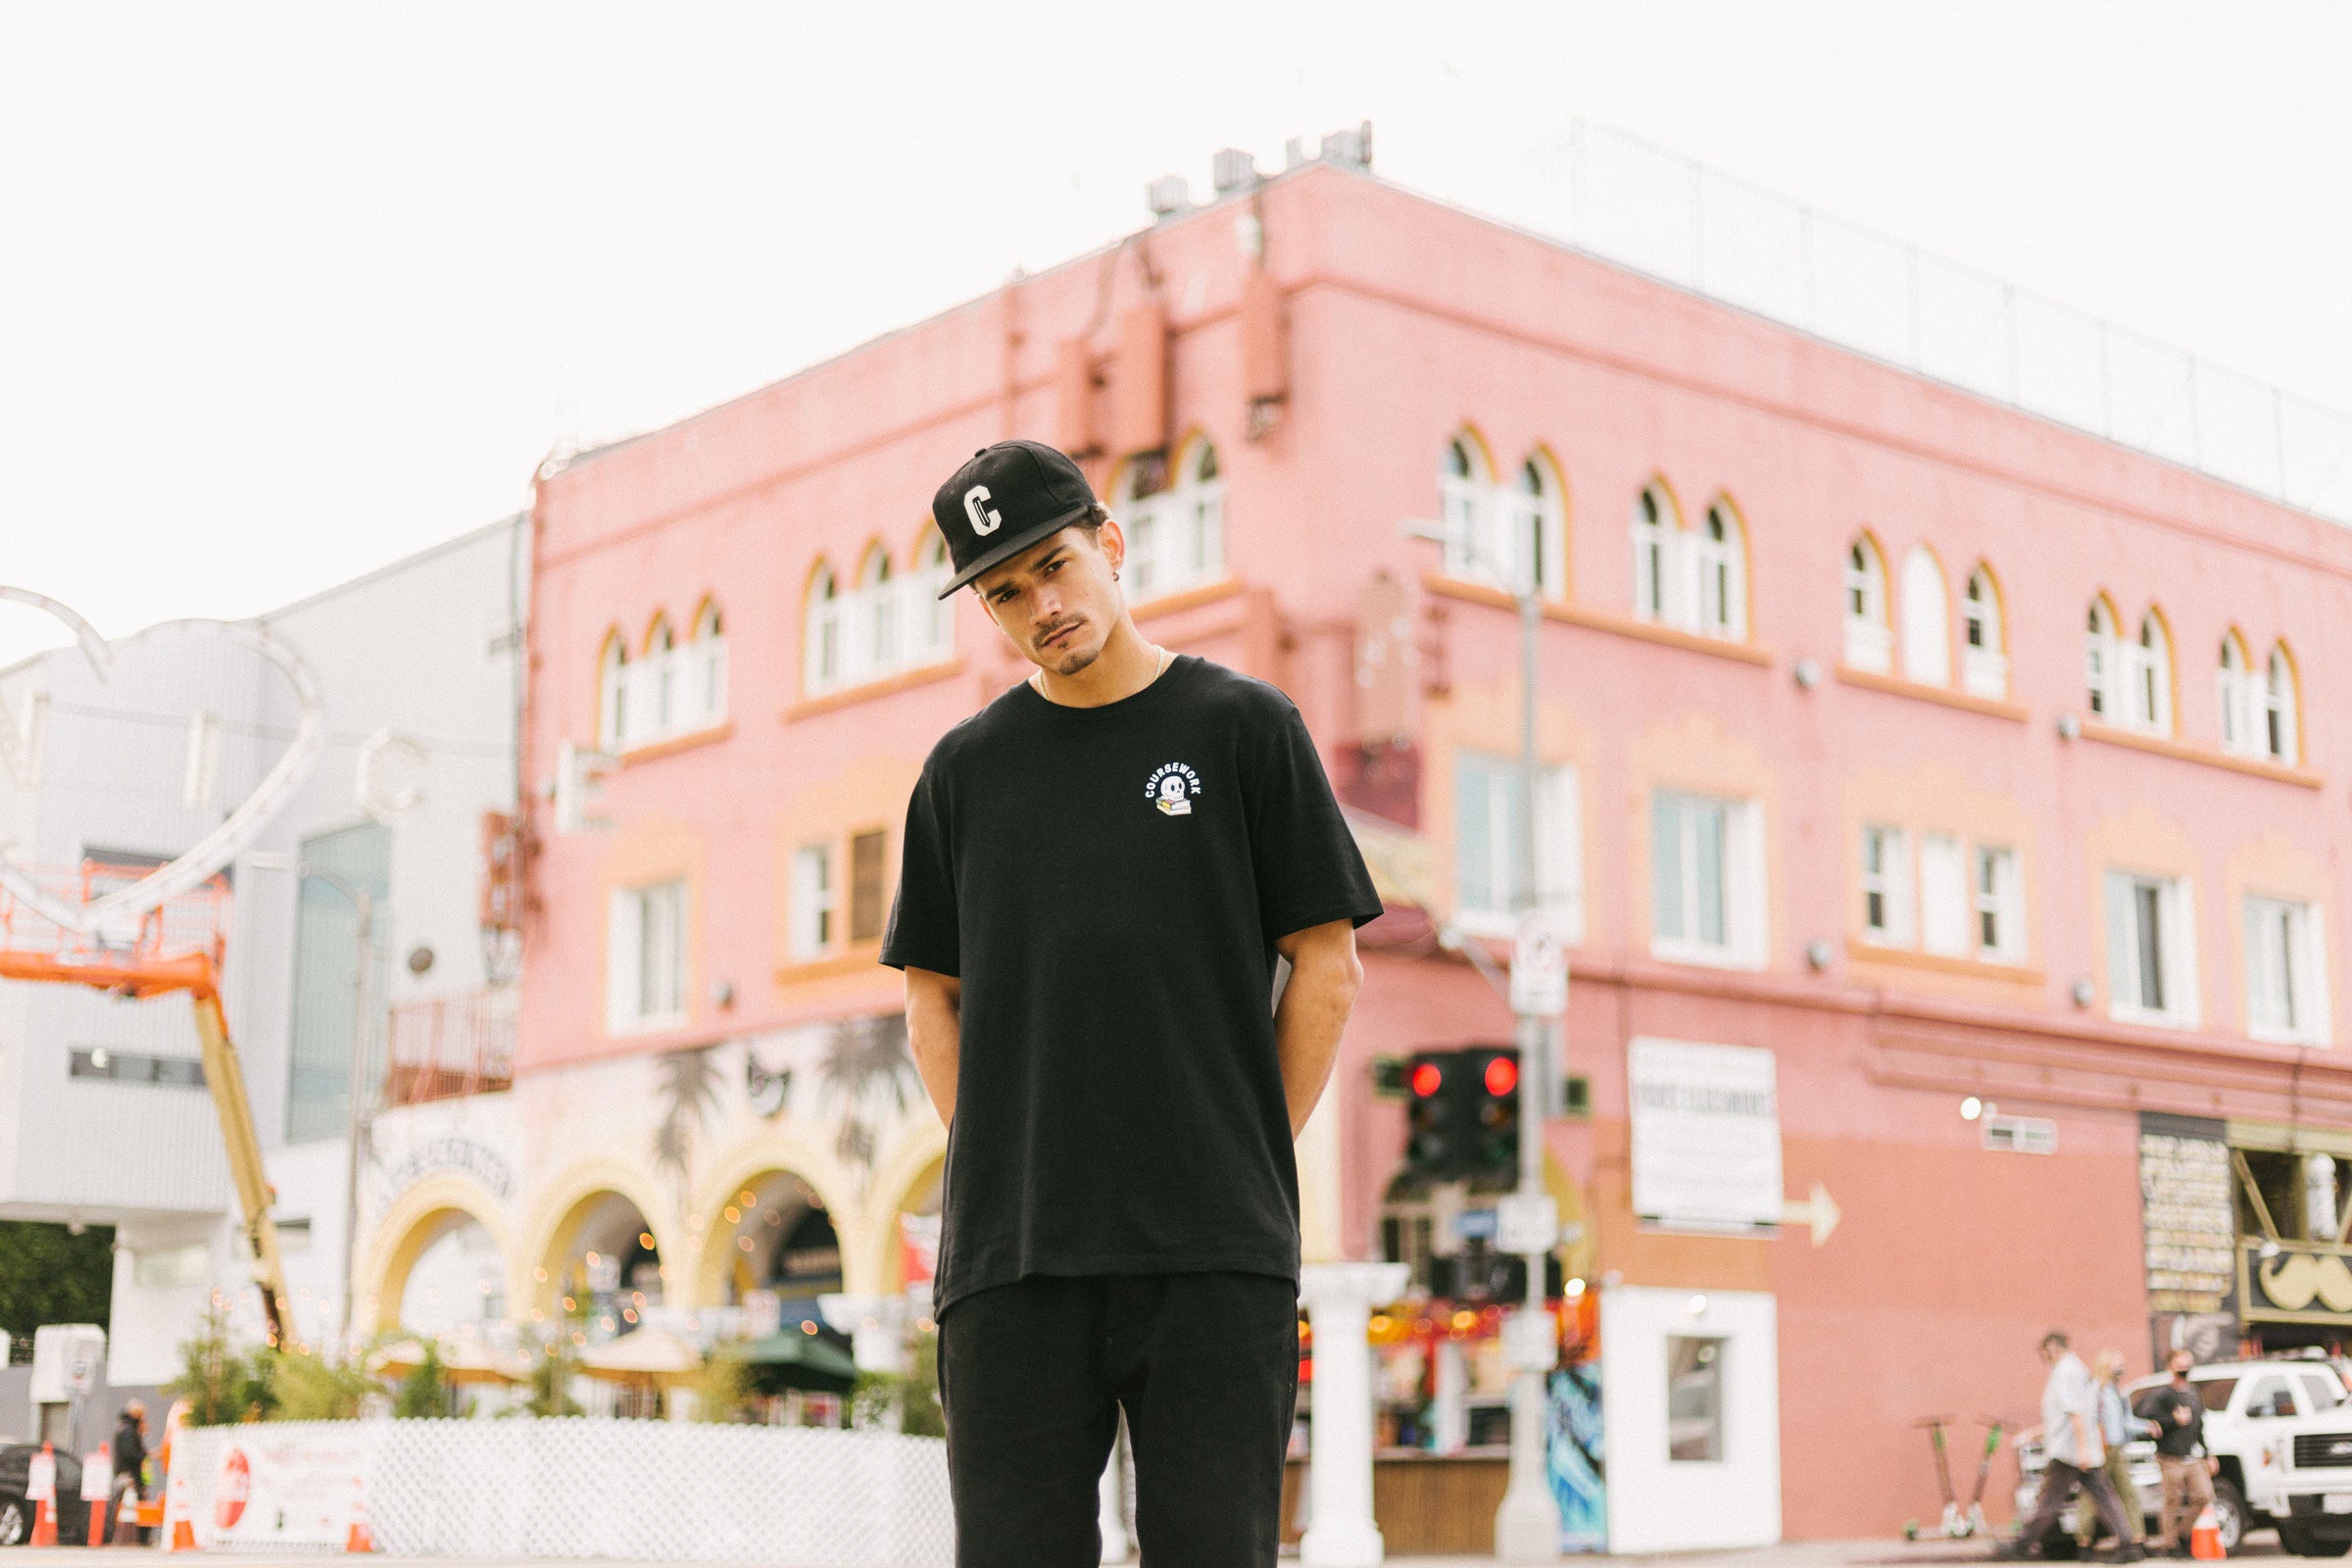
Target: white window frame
821,667
1984,649
1719,573
1743,922
2128,894
2279,706
658,672
1869,638
2103,686
1997,893
1886,876
1559,845
1657,534
612,696
1176,536
2145,667
645,957
2285,970
814,920
926,610
2240,701
1927,619
875,647
707,680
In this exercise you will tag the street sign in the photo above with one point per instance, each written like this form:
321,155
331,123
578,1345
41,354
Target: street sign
1526,1223
1476,1224
82,1369
1531,1340
1706,1135
1539,968
1818,1213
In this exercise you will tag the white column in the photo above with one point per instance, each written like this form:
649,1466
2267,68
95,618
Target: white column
1340,1297
876,1326
1112,1501
1451,1398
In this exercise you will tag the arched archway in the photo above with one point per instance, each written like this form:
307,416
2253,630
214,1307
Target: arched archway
775,1236
451,1213
600,1268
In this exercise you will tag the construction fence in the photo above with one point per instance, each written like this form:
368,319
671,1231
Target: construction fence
578,1488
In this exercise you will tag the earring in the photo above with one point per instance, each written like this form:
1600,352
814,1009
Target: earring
1114,574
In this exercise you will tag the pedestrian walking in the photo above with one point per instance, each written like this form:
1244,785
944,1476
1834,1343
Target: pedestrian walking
2072,1452
1105,875
2179,1413
2117,1426
128,1449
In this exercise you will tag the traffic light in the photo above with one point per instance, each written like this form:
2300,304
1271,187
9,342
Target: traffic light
1462,1118
1435,1132
1492,1085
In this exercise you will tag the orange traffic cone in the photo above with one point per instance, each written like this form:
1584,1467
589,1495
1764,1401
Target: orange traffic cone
358,1540
183,1536
44,1519
2205,1537
95,1535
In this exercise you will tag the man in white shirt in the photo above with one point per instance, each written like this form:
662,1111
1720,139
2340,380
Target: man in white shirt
2076,1456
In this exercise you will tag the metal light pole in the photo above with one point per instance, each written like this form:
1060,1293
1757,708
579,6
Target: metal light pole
1527,1525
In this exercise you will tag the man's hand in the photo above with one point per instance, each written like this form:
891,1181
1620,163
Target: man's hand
935,1034
1324,976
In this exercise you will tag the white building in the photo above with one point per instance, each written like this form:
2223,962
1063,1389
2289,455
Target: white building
104,1118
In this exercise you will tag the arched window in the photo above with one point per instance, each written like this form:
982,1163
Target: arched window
926,608
1658,541
708,665
2278,709
1927,624
1869,644
821,664
2102,661
2239,699
612,697
1475,546
1534,536
659,672
2150,705
1719,562
1175,530
1984,649
876,652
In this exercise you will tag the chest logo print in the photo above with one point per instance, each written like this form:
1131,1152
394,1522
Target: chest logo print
1171,787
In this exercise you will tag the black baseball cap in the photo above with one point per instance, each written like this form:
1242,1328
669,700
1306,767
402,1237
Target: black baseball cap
1008,497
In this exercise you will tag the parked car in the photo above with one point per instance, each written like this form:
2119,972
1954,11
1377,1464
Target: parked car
17,1512
2248,1404
2310,1482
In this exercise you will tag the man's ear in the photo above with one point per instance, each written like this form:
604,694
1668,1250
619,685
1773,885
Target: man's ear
1111,540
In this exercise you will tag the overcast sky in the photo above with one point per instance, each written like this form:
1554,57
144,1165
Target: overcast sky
289,292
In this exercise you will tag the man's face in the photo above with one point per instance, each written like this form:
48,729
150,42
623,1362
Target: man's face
2052,1351
1058,600
2181,1363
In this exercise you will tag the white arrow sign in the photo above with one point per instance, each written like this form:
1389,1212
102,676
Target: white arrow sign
1819,1213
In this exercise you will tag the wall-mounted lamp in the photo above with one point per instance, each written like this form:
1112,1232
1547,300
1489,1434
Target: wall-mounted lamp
2085,993
1818,953
2069,727
1807,673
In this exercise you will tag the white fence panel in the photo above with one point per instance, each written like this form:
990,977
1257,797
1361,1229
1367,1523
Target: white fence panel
644,1490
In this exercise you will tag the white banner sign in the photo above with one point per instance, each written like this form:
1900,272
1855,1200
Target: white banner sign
297,1492
1706,1135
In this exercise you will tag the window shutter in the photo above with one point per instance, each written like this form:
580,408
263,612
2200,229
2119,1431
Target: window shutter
2123,943
623,930
1943,896
865,887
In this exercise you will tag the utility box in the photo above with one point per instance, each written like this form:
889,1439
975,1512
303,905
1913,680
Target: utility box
67,1363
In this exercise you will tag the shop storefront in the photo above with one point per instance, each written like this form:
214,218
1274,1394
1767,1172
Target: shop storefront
2246,1232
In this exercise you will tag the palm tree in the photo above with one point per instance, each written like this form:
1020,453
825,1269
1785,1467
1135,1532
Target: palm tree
866,1062
689,1095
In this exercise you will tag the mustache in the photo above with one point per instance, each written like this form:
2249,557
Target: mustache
1058,628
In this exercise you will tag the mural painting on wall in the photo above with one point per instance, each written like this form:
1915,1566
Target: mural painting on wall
1575,1459
2190,1235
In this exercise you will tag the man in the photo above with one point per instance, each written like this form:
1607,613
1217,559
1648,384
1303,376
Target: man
2178,1411
2073,1455
1100,871
129,1451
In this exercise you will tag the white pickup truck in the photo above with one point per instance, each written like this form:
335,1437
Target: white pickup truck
2250,1408
2308,1482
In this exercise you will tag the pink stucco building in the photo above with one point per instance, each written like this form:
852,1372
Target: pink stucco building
1981,783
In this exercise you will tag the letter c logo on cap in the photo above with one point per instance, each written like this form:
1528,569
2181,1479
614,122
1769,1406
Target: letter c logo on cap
984,519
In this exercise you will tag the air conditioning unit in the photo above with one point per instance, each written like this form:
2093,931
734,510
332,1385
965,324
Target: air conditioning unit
1168,195
1232,170
2021,1135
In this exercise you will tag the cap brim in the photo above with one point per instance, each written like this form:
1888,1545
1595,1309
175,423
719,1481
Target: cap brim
999,554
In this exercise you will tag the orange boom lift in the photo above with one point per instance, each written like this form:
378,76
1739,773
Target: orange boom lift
176,946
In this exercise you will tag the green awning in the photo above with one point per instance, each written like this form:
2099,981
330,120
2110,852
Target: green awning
796,1360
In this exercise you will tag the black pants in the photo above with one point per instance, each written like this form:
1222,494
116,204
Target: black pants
1032,1377
2058,1482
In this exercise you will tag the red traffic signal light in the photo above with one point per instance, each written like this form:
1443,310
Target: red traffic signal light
1428,1078
1503,1076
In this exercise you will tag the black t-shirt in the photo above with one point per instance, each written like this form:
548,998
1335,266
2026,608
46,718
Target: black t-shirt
1108,884
2177,1437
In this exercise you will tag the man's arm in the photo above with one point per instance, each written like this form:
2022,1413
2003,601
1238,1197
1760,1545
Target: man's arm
935,1031
1324,976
